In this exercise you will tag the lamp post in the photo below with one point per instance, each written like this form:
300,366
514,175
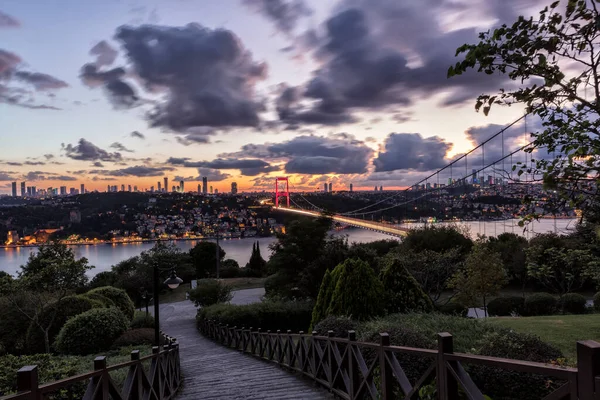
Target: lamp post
172,282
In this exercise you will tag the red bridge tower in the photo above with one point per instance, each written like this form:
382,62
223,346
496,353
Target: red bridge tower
285,193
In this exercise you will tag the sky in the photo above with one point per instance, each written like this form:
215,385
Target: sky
346,91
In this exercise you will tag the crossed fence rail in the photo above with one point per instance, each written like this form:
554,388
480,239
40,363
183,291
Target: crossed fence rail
358,370
158,382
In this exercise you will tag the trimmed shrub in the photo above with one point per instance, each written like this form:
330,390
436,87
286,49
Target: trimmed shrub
339,325
141,320
453,308
104,301
402,291
136,337
573,303
268,315
91,332
539,304
67,308
503,384
506,306
119,297
209,292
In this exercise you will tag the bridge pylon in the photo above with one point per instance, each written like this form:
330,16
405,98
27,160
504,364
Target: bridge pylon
279,193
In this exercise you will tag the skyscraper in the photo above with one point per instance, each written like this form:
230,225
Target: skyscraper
474,176
158,186
199,189
166,184
14,189
325,187
211,189
63,190
204,184
33,191
181,186
129,188
82,189
122,187
233,187
151,189
23,189
381,188
351,188
330,187
375,188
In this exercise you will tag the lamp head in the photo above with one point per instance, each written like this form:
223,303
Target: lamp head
173,281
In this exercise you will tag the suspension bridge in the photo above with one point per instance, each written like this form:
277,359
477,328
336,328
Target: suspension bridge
486,184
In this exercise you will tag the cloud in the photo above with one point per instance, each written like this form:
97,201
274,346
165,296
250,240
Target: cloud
209,75
247,167
137,170
49,156
196,135
136,134
7,176
98,164
41,81
119,93
285,14
338,153
120,147
44,176
212,175
8,61
87,151
105,54
410,151
6,21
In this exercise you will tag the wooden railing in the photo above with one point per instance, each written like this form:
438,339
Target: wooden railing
160,381
357,370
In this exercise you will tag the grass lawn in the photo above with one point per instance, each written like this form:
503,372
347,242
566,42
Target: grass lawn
563,331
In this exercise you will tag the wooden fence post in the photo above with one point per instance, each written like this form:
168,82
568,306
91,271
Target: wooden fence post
447,387
290,349
588,368
353,373
329,357
387,376
313,355
27,380
100,365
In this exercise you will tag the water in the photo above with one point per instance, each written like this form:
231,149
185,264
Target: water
105,255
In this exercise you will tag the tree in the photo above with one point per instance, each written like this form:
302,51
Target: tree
49,276
482,276
437,238
511,248
402,291
554,59
204,259
256,266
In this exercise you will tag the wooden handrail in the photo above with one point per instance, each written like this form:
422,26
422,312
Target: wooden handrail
340,365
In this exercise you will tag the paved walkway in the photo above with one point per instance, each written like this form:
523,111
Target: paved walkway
211,371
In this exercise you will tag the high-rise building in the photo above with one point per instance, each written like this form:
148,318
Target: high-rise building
199,189
23,189
72,191
233,187
158,186
216,191
63,190
151,189
204,184
33,191
351,188
135,189
82,189
325,187
108,188
122,187
330,187
211,189
129,188
490,180
181,187
381,188
375,188
474,171
14,189
166,183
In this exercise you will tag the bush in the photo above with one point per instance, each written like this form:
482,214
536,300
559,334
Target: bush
597,301
539,304
105,278
119,297
506,306
573,303
136,337
104,301
13,334
68,307
91,332
339,325
453,308
268,315
503,384
141,320
402,291
209,292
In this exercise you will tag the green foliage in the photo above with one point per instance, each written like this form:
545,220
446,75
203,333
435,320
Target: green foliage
437,238
482,276
324,298
597,301
142,320
92,331
99,300
511,248
548,57
136,337
104,278
13,324
60,311
257,266
453,308
267,315
209,292
229,269
506,306
573,303
119,298
204,259
339,325
402,291
539,304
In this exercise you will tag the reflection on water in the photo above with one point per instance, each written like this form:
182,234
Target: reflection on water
105,255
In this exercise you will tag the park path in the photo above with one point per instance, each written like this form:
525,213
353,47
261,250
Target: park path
211,371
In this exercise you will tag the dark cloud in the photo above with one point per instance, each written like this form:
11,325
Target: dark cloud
6,21
7,176
34,163
98,164
13,163
120,93
213,175
49,156
99,179
208,74
410,151
65,178
8,61
41,81
196,135
137,170
44,176
136,134
105,54
247,167
285,14
87,151
120,147
93,77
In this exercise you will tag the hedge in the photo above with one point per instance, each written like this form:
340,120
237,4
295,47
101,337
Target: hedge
339,325
573,303
268,315
506,306
539,304
101,299
91,332
141,320
209,292
597,301
119,297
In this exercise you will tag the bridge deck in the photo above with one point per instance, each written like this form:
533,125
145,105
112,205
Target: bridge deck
211,371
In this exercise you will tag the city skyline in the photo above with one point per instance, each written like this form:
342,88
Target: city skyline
100,113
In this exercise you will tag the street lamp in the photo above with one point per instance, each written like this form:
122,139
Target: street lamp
172,282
